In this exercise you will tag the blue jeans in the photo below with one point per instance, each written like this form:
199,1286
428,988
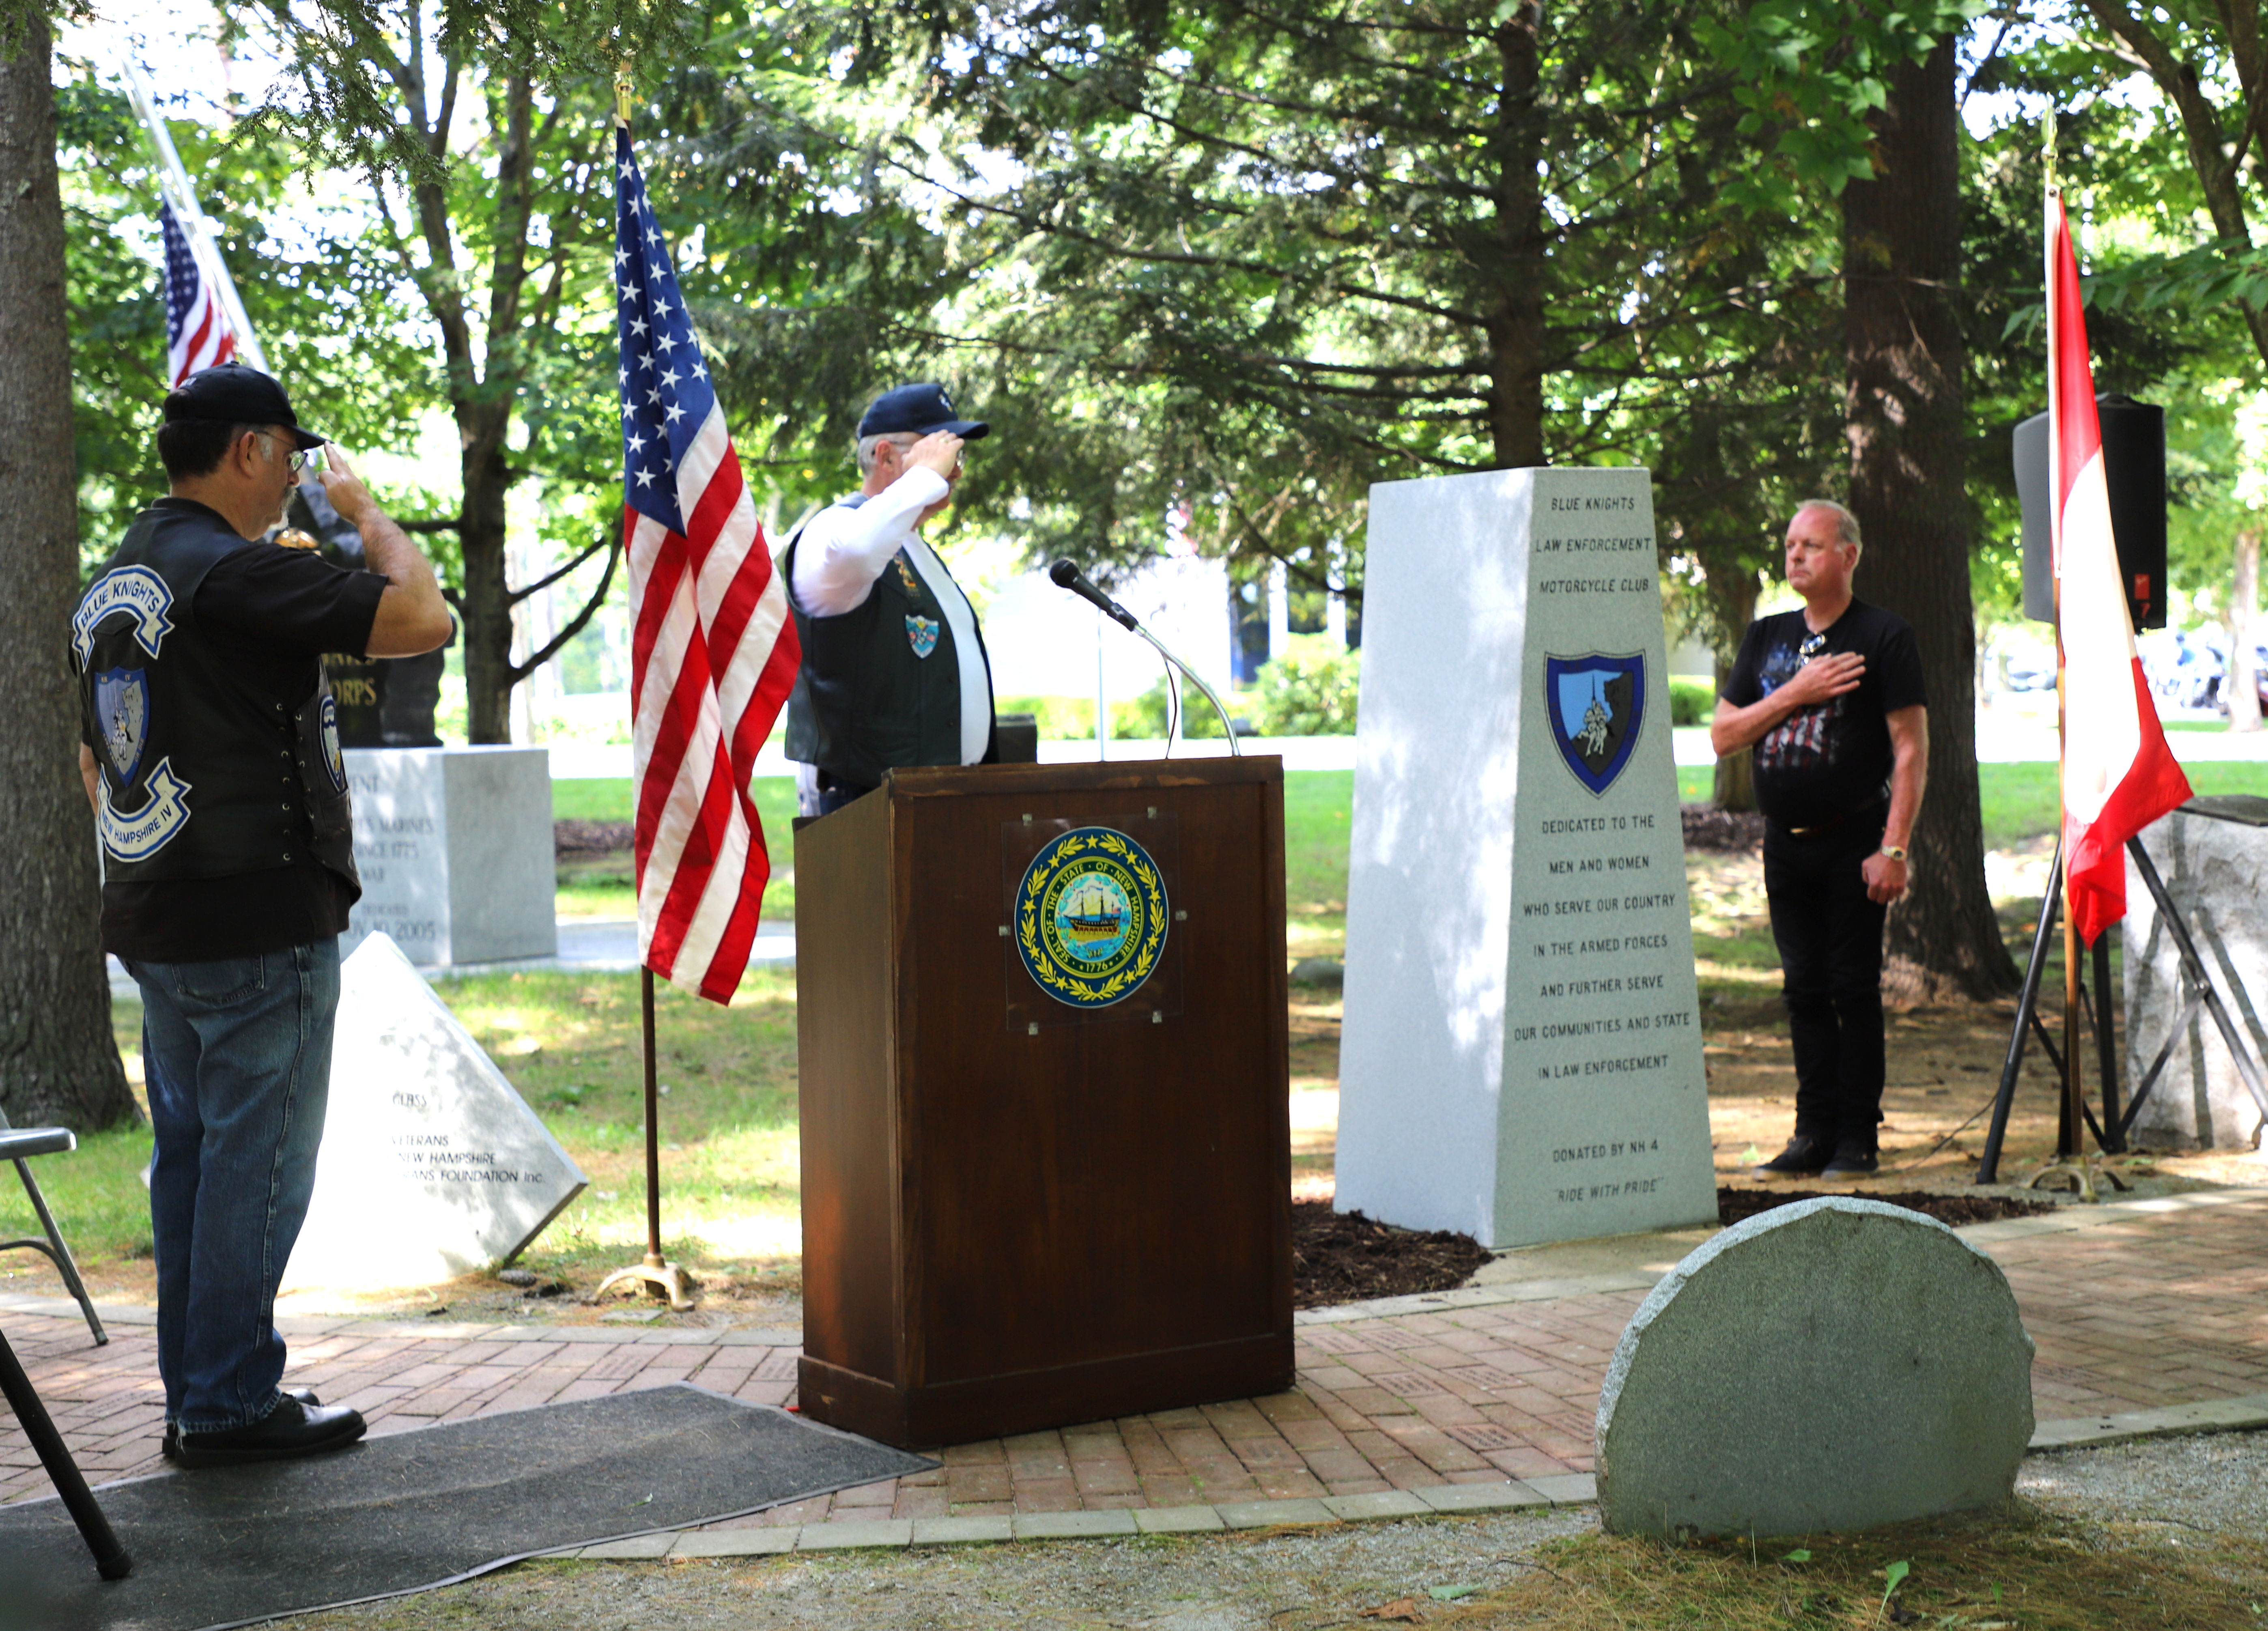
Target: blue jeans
236,1055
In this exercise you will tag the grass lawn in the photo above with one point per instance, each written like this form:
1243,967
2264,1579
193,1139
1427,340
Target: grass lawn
605,886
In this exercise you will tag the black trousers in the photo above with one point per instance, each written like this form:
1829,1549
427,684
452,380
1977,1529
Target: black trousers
1830,954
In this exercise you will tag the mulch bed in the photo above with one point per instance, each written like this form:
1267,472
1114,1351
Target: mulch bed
1727,831
1732,1205
1343,1257
590,838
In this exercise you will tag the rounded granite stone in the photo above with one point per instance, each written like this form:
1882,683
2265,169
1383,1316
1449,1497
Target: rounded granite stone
1832,1364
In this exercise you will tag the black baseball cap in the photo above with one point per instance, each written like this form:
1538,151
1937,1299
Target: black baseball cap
236,394
918,409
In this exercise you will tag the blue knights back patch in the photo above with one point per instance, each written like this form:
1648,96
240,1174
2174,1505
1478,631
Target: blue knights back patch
921,634
122,713
1597,703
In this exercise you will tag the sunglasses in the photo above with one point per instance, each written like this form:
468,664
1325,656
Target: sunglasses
1812,646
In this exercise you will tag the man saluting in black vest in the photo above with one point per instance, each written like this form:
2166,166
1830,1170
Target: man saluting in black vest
211,754
894,671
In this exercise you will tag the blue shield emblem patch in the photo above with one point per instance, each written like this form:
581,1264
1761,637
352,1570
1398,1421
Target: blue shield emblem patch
921,634
1597,704
122,713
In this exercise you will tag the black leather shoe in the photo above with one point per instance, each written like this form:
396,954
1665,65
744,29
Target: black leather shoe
292,1428
1851,1160
1803,1157
170,1447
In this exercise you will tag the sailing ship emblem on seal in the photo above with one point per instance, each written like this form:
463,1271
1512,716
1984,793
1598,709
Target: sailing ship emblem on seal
1091,917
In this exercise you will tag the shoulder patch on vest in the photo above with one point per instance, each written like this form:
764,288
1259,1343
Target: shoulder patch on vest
921,634
137,591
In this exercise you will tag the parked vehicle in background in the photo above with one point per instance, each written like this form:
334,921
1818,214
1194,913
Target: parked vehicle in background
2185,668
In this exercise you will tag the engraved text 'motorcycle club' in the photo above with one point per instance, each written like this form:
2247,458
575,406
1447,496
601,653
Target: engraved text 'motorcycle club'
1091,917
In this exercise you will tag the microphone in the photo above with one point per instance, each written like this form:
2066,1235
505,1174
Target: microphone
1064,574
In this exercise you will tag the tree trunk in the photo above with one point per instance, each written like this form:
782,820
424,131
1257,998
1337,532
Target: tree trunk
487,604
1734,600
58,1064
483,418
1904,362
2243,685
1515,324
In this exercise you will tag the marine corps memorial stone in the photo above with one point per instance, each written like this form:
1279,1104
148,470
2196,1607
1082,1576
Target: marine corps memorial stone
1521,1051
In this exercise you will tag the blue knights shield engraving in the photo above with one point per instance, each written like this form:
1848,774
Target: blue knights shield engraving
1596,704
122,713
921,634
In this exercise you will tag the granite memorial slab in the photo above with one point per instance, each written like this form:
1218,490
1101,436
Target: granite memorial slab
1835,1363
432,1162
1521,1057
455,849
2213,855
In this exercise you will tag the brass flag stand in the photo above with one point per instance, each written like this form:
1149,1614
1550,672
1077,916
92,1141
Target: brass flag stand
657,1274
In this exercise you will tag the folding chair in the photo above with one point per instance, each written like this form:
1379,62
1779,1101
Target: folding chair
18,1144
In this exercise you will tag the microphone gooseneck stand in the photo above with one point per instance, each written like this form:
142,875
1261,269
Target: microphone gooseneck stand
1065,575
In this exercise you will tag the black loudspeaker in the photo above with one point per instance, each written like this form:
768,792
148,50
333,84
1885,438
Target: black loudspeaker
2134,469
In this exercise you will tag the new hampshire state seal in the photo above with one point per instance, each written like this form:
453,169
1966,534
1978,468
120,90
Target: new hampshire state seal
1091,917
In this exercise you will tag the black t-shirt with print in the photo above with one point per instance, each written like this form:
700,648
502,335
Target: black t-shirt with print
1827,761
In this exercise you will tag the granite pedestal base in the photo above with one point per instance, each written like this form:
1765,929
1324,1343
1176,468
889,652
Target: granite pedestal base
455,849
1521,1051
2216,872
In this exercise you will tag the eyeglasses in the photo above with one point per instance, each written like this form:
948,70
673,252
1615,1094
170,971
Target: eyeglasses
1812,646
294,461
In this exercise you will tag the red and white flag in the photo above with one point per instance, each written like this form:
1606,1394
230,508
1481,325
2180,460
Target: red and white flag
2118,774
197,331
713,652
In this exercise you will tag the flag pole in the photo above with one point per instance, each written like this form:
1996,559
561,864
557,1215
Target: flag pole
2070,1154
657,1274
193,218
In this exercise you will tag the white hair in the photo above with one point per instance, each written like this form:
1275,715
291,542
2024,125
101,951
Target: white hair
1847,525
870,446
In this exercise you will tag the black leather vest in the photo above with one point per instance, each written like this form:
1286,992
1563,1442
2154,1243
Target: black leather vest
880,684
204,774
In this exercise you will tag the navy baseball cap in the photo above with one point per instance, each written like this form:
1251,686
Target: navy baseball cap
236,394
918,409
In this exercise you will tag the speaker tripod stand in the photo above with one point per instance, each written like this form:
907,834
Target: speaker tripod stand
2109,1133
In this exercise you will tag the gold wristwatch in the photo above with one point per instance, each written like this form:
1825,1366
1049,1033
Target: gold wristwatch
1894,852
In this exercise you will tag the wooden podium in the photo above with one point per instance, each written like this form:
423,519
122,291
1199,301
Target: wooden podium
1021,1211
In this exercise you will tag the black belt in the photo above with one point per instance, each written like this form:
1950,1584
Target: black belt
1876,812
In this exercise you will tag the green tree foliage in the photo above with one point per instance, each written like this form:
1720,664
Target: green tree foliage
1231,264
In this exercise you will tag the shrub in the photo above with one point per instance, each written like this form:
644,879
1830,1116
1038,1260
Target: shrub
1309,689
1144,715
1692,699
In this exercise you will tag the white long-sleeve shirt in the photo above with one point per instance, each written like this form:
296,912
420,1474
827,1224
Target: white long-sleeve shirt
842,551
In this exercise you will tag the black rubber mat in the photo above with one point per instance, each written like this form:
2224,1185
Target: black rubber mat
405,1512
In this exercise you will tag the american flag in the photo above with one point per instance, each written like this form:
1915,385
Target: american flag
712,652
197,332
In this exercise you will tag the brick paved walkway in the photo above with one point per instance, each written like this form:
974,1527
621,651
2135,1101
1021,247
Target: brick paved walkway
2135,1305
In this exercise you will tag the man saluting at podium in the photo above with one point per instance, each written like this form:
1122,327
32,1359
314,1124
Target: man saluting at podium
894,671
